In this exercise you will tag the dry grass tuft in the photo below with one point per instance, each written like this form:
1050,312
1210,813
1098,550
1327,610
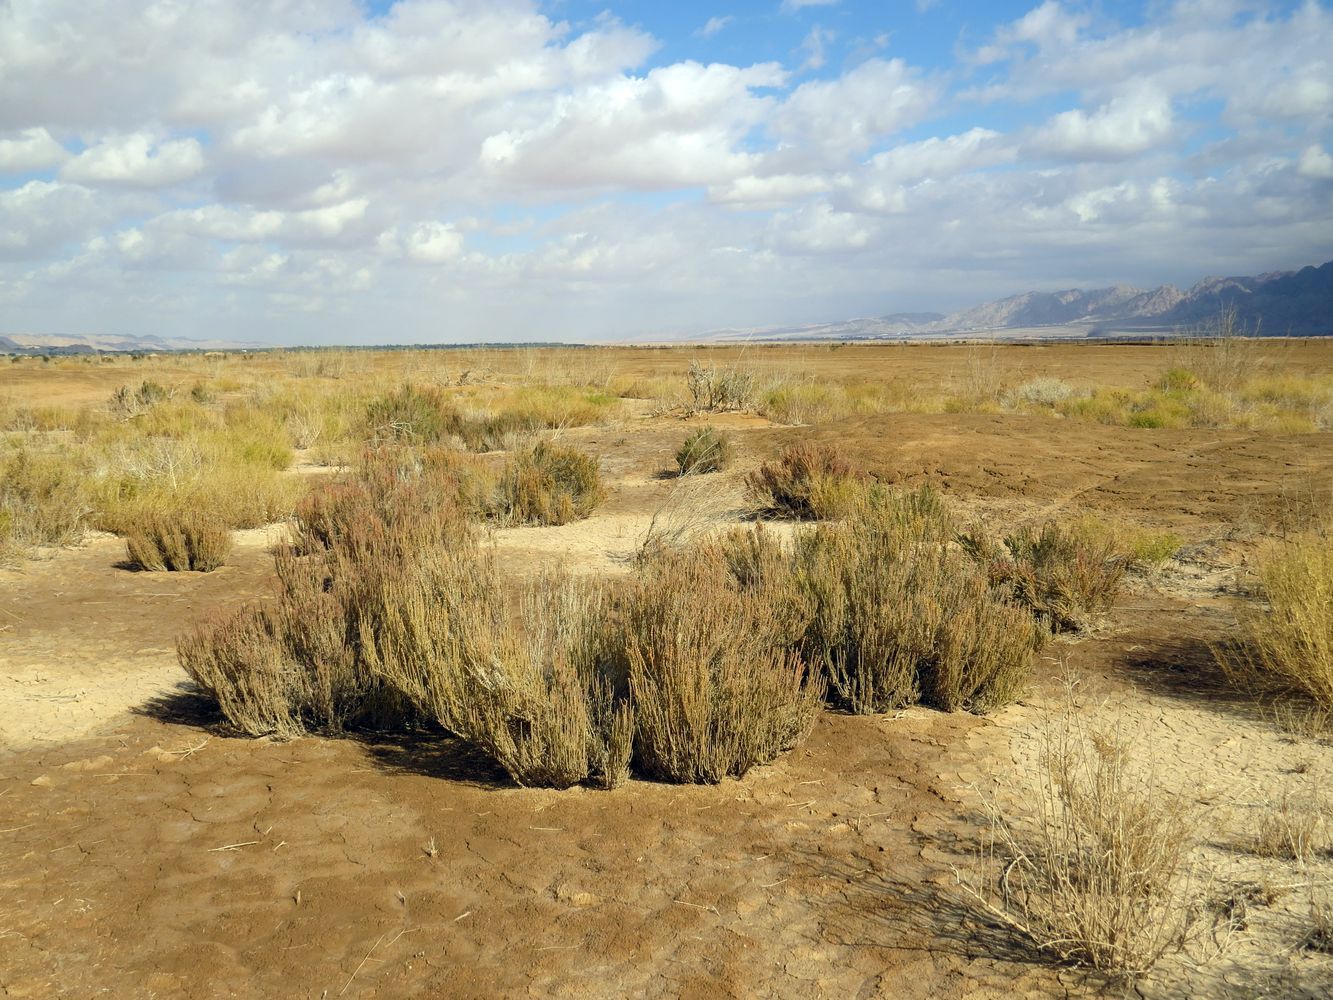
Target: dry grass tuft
177,541
1319,937
1097,871
1288,645
1294,829
1221,353
43,501
127,403
417,415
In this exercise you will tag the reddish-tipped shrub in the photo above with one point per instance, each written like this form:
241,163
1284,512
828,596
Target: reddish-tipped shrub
807,481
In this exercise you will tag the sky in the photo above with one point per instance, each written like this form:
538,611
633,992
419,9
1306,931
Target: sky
428,171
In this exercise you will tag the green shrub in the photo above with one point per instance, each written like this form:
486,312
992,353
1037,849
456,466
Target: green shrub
126,402
548,485
1178,380
704,450
1143,549
177,541
807,481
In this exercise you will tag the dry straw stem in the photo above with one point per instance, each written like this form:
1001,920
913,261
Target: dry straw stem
694,508
177,540
1223,353
1295,828
1287,646
899,616
716,689
716,388
1319,936
1096,870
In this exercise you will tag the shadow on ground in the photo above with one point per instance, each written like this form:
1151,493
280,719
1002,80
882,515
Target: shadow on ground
428,751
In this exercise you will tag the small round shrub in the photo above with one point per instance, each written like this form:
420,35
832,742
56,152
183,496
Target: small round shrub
704,450
808,481
178,541
549,485
411,414
1178,380
1045,391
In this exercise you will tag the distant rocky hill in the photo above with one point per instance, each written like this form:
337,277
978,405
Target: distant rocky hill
1298,303
39,343
1279,303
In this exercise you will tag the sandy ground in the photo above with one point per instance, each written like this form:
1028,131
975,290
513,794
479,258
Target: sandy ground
83,639
145,853
1150,680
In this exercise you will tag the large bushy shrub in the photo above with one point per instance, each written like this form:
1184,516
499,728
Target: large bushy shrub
717,684
899,616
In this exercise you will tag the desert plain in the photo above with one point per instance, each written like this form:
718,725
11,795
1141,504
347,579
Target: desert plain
147,849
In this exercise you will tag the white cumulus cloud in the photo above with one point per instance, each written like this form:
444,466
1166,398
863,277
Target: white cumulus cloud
1316,162
28,150
1128,124
136,160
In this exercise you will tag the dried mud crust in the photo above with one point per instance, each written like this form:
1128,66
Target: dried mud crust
83,639
247,868
1202,482
132,864
1151,679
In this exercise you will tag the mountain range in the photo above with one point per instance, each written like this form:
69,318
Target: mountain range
56,343
1279,303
